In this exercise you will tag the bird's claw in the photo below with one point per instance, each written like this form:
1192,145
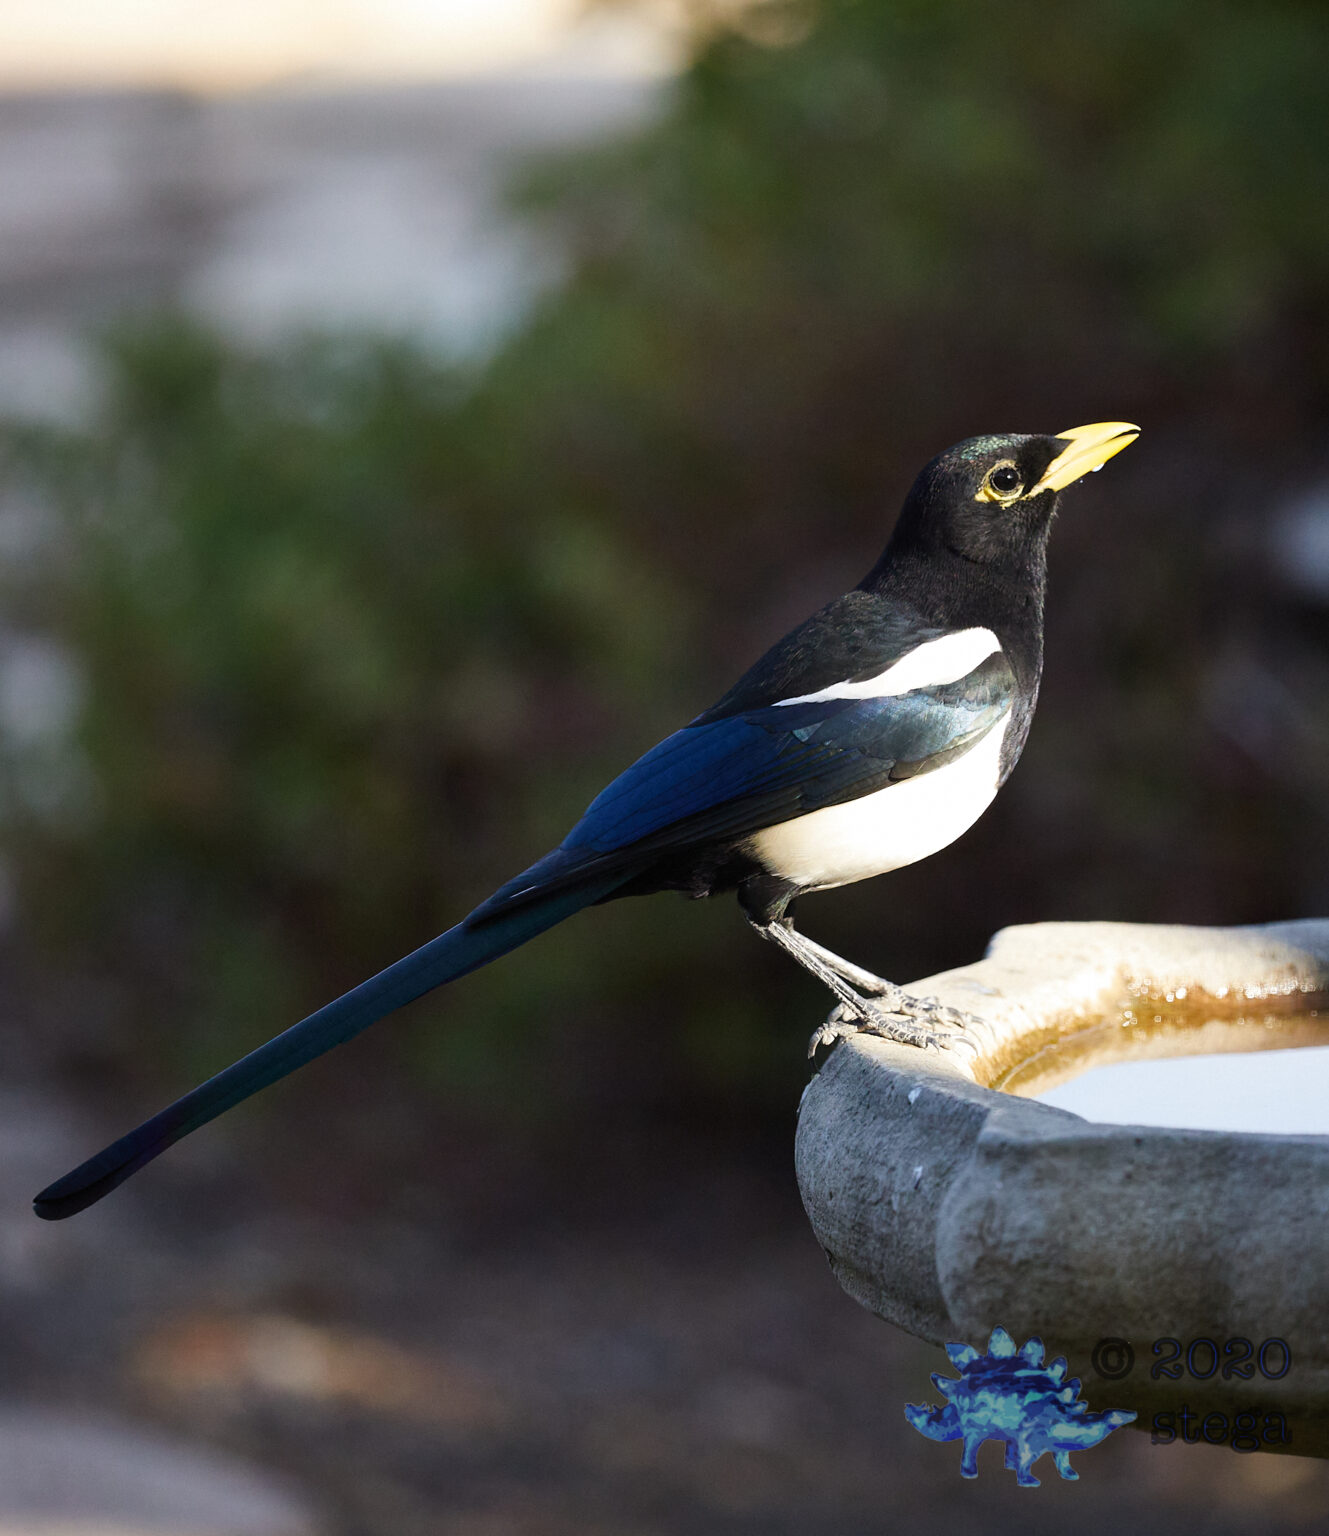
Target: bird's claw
921,1021
890,999
938,1013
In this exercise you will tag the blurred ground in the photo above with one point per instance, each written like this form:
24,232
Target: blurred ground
652,1344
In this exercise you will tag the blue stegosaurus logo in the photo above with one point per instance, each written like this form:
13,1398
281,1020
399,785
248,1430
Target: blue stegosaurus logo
1009,1394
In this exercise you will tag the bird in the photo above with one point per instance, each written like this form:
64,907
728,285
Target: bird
871,736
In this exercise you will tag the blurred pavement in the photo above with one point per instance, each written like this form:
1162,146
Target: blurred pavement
360,208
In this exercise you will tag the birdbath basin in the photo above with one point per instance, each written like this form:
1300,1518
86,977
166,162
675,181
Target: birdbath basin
1183,1272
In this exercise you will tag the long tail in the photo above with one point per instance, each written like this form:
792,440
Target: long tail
464,948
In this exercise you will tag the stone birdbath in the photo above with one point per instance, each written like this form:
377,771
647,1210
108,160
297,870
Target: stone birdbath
1184,1273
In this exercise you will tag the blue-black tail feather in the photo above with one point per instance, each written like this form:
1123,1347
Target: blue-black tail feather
474,942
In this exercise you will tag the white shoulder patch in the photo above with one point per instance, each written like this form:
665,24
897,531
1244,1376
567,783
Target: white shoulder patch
931,665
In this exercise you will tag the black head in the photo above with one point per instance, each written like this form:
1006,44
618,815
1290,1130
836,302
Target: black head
990,500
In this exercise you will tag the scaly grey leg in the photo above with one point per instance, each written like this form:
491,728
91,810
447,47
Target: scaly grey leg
887,1010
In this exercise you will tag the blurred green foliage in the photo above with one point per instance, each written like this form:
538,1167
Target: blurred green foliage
333,686
360,633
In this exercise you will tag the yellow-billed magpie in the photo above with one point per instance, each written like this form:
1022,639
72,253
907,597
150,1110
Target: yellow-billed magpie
871,736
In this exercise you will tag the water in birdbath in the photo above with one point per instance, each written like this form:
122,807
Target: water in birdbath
1180,1062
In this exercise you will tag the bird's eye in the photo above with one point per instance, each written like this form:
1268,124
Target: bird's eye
1002,483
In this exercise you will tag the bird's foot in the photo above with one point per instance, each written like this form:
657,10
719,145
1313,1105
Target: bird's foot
888,998
921,1022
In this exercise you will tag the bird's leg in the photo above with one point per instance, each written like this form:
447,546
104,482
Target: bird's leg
886,1010
861,980
813,958
888,996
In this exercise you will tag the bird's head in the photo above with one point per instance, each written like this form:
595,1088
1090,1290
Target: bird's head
990,500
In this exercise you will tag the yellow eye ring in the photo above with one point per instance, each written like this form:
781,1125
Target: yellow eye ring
1002,483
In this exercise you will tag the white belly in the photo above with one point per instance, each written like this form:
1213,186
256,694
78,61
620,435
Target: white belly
887,829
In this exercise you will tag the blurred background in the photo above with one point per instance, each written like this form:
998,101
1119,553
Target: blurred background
411,412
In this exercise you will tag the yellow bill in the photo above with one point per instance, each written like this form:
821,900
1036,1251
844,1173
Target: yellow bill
1088,448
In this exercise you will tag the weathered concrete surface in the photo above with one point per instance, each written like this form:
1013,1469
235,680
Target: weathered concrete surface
948,1207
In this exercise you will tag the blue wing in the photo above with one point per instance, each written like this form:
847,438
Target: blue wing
722,780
